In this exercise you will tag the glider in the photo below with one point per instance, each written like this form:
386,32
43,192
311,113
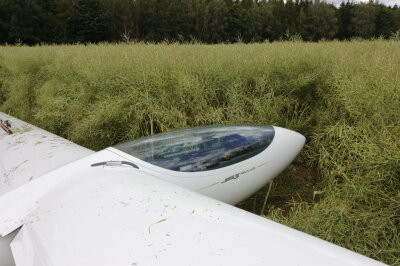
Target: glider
162,200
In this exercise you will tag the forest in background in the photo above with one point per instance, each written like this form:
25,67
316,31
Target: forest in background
208,21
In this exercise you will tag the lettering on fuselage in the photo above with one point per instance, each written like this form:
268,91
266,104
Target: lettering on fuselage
236,176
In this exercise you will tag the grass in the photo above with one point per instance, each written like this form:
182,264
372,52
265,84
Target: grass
343,96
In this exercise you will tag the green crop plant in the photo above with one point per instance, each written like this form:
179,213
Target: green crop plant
343,96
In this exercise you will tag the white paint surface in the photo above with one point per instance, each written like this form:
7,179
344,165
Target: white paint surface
125,217
30,152
253,173
75,214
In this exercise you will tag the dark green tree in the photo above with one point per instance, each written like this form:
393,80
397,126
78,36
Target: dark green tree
325,21
89,21
215,22
123,18
6,7
147,20
27,21
396,17
263,21
302,24
384,23
211,21
291,14
234,22
363,21
321,22
278,25
345,16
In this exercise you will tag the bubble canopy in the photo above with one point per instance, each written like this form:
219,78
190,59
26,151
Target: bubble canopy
202,148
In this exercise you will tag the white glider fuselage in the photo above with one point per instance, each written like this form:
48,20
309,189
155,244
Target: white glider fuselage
118,206
234,183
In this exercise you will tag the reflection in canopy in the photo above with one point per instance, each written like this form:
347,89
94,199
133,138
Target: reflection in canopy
202,148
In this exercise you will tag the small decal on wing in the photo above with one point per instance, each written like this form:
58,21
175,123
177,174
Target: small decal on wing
6,126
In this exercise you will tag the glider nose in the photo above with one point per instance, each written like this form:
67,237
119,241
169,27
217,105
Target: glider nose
294,141
291,142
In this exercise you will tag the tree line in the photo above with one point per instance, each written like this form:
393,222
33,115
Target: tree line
210,21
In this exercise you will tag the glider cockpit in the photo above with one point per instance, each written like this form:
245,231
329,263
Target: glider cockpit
201,149
62,204
227,163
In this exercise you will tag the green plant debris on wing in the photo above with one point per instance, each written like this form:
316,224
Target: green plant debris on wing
343,96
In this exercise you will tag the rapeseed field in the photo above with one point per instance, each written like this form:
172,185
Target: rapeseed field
343,96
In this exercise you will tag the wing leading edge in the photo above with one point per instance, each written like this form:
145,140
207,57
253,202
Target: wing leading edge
76,214
122,216
28,152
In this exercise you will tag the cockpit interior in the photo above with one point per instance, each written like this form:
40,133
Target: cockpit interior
201,149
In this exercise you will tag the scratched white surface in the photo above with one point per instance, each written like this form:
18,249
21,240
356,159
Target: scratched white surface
76,214
31,152
126,217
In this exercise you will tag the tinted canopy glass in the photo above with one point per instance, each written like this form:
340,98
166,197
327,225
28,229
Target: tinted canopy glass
201,149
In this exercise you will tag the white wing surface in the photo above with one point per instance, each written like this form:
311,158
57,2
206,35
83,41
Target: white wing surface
83,211
122,216
29,152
